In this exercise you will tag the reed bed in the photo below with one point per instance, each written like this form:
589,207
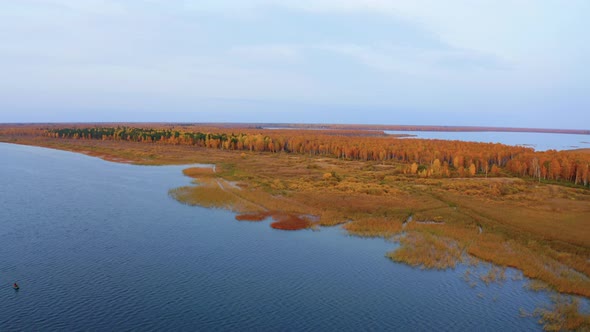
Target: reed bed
564,314
427,251
195,172
375,227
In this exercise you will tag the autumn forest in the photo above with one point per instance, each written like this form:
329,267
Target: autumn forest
424,158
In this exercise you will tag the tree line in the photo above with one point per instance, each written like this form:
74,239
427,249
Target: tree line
425,158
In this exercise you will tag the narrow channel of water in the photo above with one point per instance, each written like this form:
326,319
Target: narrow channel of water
538,141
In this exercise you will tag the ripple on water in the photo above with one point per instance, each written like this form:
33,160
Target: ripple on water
115,253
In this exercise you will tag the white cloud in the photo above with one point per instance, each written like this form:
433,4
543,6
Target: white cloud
434,53
86,6
281,53
506,28
386,58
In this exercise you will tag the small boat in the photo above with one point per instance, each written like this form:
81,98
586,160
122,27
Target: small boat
15,286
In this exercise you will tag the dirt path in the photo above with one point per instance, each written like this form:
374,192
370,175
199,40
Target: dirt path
232,192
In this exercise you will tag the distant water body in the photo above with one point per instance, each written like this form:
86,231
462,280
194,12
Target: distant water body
100,246
538,141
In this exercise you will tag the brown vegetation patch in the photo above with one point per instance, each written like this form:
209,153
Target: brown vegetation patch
289,222
495,274
195,172
564,314
203,195
260,216
534,261
208,192
427,250
375,227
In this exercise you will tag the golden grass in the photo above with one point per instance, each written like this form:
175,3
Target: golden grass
375,227
195,172
555,219
252,216
427,251
533,262
209,193
495,274
537,285
563,315
331,218
204,196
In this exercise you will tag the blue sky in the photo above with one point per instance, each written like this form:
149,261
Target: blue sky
457,62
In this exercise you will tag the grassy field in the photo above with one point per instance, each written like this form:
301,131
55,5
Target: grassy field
541,229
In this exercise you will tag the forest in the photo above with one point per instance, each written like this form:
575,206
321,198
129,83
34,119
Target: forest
423,158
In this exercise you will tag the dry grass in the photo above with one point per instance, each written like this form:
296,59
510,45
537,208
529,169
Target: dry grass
195,172
427,251
563,315
209,193
252,216
537,285
533,261
375,227
495,274
204,195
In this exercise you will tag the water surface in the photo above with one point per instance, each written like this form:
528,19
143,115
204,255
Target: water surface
538,141
101,246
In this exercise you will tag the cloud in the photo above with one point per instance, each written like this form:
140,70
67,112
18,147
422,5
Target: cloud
103,7
506,28
281,53
429,54
386,59
417,61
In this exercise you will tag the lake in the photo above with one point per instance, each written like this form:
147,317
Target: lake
538,141
101,246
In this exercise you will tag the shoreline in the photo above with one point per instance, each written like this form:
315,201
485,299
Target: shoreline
202,224
359,225
429,241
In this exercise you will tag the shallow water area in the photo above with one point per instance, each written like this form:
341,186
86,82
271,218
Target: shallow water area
537,141
100,246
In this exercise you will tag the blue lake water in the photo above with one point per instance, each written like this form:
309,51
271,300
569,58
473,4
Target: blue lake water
101,246
538,141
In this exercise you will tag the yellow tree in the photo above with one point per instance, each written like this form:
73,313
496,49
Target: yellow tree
472,169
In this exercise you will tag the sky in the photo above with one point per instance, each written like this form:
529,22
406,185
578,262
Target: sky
519,63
